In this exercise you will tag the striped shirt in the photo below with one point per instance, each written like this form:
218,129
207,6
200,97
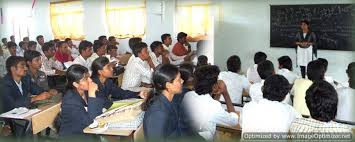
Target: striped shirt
310,125
137,71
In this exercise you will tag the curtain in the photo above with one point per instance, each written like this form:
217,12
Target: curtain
67,19
194,19
126,19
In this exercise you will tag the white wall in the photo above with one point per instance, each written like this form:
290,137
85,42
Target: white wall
245,29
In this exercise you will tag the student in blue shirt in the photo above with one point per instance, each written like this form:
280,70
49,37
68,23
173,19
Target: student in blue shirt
80,105
102,71
161,117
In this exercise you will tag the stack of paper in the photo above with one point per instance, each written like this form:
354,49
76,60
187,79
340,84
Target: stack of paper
19,113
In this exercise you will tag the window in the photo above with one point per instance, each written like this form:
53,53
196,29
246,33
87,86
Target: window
67,19
126,18
194,18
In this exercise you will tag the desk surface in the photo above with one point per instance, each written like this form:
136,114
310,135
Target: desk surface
110,131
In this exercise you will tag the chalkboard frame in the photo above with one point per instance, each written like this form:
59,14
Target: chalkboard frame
328,39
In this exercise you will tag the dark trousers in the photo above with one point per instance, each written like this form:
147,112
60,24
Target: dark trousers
303,71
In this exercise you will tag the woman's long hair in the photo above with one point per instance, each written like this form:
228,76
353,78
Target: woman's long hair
98,64
162,75
74,74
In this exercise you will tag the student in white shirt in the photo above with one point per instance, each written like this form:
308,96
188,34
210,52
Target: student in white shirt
265,69
138,71
328,78
252,73
166,39
346,97
73,49
235,82
157,54
285,69
99,51
40,40
270,114
202,106
50,66
85,49
21,50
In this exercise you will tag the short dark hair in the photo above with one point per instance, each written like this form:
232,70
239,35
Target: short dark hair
324,62
38,37
234,64
67,39
11,44
22,43
181,35
3,39
164,36
60,43
110,47
102,37
186,71
134,40
315,70
259,57
111,38
202,60
265,69
275,88
29,55
138,47
47,45
97,46
84,45
32,43
75,73
322,101
305,21
205,77
13,61
285,62
155,45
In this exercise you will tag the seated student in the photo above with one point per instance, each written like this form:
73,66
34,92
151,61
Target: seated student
322,101
157,54
315,72
102,71
63,53
11,46
112,41
103,39
18,86
202,106
112,51
26,39
346,97
166,40
201,61
138,71
235,82
4,43
80,94
181,52
285,69
275,90
85,50
160,120
252,73
99,51
32,45
50,66
265,69
23,47
40,41
73,49
34,63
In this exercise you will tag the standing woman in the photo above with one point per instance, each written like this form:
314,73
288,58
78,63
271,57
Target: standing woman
79,105
161,118
102,71
306,42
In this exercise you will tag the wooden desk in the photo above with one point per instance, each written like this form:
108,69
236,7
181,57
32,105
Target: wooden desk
227,133
45,118
110,132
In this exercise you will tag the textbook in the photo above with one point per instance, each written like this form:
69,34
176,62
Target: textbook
19,113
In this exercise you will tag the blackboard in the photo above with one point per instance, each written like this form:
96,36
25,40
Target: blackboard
332,23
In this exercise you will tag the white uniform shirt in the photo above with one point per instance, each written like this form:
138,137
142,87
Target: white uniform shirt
137,71
346,104
253,75
289,75
235,83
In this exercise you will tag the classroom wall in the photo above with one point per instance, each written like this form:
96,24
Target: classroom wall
245,29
